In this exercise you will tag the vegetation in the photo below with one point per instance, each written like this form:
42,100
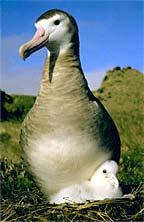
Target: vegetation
122,94
15,107
13,110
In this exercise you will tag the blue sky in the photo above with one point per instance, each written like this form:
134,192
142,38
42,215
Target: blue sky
110,35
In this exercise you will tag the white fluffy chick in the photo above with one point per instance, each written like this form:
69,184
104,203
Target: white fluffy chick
103,184
77,193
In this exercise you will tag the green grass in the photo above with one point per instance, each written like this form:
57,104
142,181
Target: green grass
18,107
121,92
13,115
9,134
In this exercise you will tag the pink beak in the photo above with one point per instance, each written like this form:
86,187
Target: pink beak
113,180
37,42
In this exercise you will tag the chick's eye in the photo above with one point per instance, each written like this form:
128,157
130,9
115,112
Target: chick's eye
57,22
104,171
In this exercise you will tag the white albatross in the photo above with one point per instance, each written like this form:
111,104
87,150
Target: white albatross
103,184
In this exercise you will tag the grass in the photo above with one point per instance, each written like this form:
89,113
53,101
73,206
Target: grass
122,94
103,211
19,107
23,201
10,140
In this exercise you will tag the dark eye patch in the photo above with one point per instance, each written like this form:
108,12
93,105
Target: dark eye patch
57,22
104,171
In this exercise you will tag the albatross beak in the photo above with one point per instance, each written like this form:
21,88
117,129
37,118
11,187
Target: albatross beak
37,42
113,180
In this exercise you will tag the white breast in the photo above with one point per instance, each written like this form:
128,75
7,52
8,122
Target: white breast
63,157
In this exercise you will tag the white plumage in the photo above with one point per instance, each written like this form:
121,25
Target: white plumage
103,184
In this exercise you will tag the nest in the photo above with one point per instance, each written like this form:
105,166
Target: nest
23,201
31,206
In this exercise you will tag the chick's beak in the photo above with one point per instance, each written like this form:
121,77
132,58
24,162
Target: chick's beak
113,180
37,42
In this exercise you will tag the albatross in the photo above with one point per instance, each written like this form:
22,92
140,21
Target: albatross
103,185
68,133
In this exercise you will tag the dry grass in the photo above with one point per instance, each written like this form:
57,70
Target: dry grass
31,206
23,201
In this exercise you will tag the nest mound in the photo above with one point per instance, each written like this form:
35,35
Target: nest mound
31,206
23,201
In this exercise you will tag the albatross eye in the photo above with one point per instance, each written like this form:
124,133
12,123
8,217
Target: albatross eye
104,171
57,22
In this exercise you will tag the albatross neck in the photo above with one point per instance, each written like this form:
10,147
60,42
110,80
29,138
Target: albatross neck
63,74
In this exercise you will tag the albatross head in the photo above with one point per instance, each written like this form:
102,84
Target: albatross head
56,30
106,174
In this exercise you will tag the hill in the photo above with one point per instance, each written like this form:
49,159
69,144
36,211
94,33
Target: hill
122,94
13,110
15,107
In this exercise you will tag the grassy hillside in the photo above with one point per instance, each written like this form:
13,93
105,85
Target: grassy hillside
13,110
121,92
15,107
